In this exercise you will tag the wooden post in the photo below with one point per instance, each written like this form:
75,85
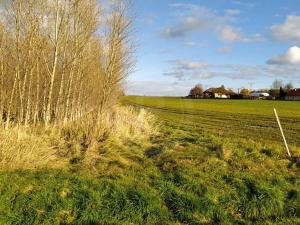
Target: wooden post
281,130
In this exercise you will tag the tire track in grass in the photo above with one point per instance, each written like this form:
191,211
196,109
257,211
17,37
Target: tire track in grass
233,124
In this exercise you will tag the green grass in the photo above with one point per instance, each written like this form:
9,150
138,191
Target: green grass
213,162
52,197
256,107
232,118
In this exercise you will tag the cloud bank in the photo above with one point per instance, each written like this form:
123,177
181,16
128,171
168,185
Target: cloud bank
292,57
193,18
184,71
287,31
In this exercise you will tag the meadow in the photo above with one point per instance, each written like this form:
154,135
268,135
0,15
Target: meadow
203,162
251,119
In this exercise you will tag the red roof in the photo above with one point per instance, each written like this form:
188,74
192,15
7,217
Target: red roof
294,92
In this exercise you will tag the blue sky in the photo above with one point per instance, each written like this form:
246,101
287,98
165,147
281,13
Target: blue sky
238,43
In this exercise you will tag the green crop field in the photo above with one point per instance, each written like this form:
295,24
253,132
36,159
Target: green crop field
210,162
247,119
256,107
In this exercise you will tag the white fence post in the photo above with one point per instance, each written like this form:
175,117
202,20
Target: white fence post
281,130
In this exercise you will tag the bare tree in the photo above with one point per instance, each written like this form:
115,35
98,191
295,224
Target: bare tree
59,61
277,84
197,91
289,86
118,55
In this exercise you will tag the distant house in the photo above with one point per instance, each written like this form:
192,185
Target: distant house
259,95
293,95
220,92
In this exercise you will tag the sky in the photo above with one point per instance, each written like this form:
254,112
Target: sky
236,43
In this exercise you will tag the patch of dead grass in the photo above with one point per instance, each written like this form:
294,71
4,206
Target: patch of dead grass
20,149
55,147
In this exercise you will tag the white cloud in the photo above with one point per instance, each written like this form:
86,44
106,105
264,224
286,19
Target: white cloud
287,31
292,56
231,34
192,18
188,24
195,18
188,65
187,69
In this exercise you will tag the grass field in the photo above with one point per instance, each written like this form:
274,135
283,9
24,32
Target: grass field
232,118
212,162
256,107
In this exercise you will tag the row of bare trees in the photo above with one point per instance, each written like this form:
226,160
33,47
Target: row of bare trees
61,59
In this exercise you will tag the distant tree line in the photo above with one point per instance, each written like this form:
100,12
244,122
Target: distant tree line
61,59
278,90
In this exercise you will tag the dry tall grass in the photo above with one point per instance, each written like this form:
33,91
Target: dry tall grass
20,149
124,126
57,146
128,123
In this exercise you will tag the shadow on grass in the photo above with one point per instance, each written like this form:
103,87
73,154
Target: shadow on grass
153,151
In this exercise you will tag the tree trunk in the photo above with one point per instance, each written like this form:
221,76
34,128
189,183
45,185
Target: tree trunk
54,66
17,73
